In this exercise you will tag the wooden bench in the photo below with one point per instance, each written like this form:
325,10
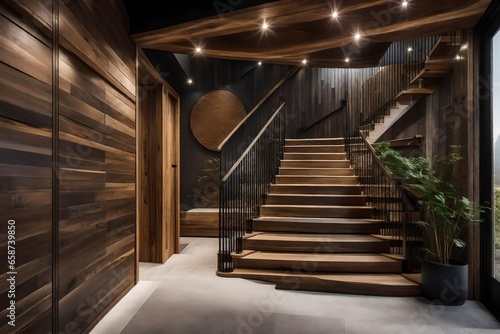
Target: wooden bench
200,222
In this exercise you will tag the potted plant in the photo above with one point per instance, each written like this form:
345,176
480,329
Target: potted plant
446,213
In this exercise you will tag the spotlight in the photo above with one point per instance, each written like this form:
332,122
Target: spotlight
198,49
405,3
335,14
265,26
259,63
357,36
190,81
304,61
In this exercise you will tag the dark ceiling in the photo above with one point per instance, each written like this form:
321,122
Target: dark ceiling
298,29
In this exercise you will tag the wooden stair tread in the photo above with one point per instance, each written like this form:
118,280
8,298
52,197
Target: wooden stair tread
396,237
424,91
318,185
296,237
319,168
331,177
374,279
393,285
320,257
318,195
317,220
317,206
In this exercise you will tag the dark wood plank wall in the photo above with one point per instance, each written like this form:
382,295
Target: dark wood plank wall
25,168
96,139
97,157
316,92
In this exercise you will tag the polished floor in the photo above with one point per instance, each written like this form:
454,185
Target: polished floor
185,296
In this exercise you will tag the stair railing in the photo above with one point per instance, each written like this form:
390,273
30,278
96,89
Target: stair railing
401,63
395,210
244,184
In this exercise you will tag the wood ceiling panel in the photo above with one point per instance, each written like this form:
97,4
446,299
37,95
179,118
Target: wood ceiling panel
305,29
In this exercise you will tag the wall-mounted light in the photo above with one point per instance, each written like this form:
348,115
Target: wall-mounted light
410,49
459,57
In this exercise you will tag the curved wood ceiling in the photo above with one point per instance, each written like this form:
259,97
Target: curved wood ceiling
306,29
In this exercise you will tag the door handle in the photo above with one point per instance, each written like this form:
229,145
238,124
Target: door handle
174,166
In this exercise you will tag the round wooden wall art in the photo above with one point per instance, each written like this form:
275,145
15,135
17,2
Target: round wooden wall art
214,116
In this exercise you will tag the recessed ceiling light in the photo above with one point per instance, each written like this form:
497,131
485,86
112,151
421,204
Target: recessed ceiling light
265,26
347,60
459,57
410,49
405,3
464,47
357,36
259,63
335,14
198,49
304,61
190,81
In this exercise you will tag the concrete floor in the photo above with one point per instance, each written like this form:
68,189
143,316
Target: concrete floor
185,296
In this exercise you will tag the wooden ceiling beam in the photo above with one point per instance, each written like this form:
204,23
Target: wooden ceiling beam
279,14
298,30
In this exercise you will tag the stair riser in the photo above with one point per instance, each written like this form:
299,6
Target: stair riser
317,171
314,156
280,179
308,200
294,227
317,266
315,149
333,190
315,164
316,212
317,247
297,142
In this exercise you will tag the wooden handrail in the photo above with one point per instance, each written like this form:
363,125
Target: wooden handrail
396,181
264,128
261,102
324,117
404,142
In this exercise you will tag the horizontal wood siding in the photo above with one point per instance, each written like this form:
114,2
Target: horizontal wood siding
96,175
97,160
25,170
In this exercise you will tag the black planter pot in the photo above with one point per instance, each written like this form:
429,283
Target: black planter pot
446,283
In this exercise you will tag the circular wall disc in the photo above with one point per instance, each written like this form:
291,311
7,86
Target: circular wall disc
214,116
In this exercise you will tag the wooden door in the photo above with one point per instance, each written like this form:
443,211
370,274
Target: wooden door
158,200
171,214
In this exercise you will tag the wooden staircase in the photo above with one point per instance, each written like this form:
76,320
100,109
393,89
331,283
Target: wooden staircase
439,63
315,231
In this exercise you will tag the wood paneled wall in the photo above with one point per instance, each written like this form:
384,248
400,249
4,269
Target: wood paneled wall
26,170
67,160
